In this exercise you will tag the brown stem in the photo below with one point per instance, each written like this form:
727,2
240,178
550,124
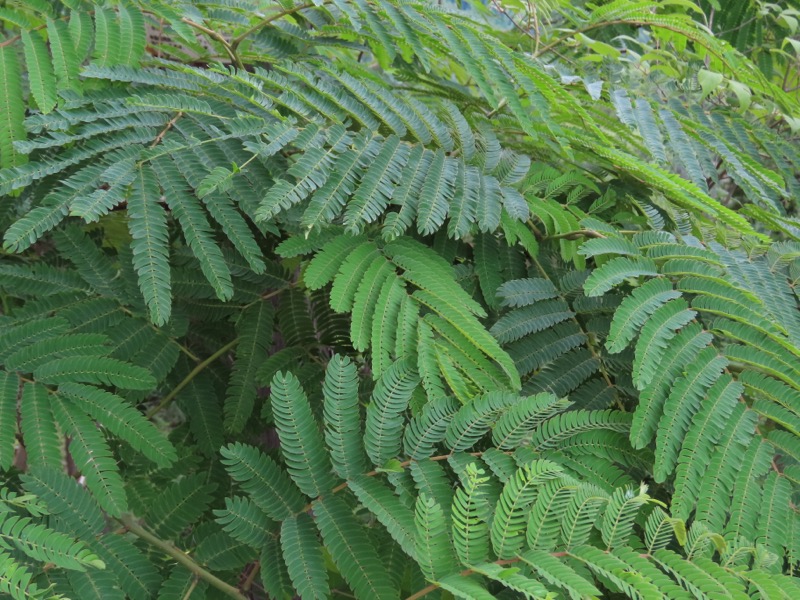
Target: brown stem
166,129
423,592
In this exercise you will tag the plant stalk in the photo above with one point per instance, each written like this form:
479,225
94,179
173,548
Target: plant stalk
165,401
171,550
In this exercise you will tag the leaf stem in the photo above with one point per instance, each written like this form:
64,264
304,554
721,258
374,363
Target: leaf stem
191,589
188,379
229,49
266,21
171,550
248,583
166,129
344,485
423,592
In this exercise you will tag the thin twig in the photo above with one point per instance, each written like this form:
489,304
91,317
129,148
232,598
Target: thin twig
503,12
248,583
497,109
266,21
424,592
165,401
174,552
190,591
537,35
229,50
737,28
404,464
166,129
575,235
633,23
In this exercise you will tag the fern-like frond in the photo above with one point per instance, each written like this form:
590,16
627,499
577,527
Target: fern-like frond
150,252
97,370
654,337
434,551
616,271
384,421
122,419
92,456
351,550
523,417
428,428
254,329
43,544
65,59
303,555
301,440
519,492
470,529
41,77
179,505
267,484
245,521
635,309
388,509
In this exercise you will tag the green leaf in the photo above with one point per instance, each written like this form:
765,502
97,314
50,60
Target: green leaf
41,78
619,516
92,457
615,272
342,417
179,505
245,521
434,551
254,328
519,492
470,529
196,228
303,555
65,60
46,545
38,427
217,179
266,483
660,328
352,551
107,38
12,108
384,425
150,247
95,369
709,81
390,511
123,420
9,390
635,309
132,36
301,442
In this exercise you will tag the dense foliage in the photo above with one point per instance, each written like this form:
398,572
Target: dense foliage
394,298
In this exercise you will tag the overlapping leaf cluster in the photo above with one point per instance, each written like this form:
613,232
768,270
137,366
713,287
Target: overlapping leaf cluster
383,299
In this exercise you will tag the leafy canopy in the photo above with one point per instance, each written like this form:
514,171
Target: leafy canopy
399,299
